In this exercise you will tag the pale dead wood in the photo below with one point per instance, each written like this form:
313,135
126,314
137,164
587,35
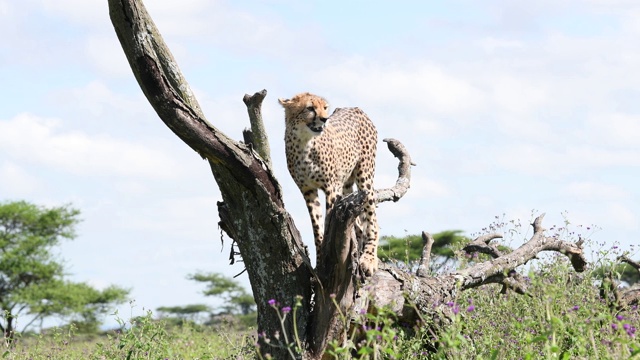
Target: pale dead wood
425,259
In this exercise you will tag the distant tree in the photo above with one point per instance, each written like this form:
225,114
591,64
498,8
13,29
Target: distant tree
32,278
185,313
408,249
236,299
620,271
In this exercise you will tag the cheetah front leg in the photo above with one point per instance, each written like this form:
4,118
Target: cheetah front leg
315,212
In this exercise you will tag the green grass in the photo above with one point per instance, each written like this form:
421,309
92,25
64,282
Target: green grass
563,317
145,339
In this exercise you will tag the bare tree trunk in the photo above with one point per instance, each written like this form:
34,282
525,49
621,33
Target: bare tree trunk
252,213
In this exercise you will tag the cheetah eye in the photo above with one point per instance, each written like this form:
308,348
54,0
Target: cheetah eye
326,107
310,108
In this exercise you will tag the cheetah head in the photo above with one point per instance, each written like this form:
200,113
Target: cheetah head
307,110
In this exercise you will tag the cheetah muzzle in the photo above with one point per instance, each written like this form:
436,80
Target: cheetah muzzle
331,153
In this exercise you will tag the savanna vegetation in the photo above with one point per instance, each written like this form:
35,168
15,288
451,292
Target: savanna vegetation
564,315
333,310
507,293
33,281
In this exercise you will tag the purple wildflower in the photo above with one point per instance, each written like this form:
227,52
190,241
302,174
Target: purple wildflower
286,309
272,302
631,330
614,326
471,308
619,317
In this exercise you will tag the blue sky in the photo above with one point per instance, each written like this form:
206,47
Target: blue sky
506,106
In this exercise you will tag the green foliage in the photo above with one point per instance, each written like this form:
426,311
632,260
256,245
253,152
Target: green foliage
32,278
139,338
235,297
179,315
79,302
408,249
187,310
622,272
563,318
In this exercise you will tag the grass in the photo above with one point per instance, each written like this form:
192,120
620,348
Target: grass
146,338
562,317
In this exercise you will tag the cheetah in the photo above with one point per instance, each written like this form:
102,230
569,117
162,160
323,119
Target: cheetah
331,153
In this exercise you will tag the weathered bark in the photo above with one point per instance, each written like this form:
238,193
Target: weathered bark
425,258
252,213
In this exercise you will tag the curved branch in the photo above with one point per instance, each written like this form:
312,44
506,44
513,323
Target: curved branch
495,270
403,183
626,259
482,244
393,288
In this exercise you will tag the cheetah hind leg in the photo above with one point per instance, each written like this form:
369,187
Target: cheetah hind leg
315,213
369,258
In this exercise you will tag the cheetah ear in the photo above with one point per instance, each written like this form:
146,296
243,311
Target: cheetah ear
284,102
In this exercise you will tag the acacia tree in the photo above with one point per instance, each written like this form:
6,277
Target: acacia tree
408,249
181,314
235,298
32,278
253,214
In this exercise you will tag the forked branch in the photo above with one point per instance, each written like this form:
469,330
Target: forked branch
499,269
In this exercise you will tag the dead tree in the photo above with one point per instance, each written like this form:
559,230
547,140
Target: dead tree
617,298
252,213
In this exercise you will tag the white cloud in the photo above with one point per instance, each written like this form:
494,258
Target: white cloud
184,18
424,187
186,216
106,53
420,86
617,130
5,9
517,93
491,44
16,181
594,191
132,188
228,25
622,216
95,101
39,140
555,161
84,12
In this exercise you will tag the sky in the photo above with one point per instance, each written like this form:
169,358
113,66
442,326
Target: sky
509,108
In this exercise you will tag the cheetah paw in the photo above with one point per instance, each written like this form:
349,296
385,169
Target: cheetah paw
368,264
